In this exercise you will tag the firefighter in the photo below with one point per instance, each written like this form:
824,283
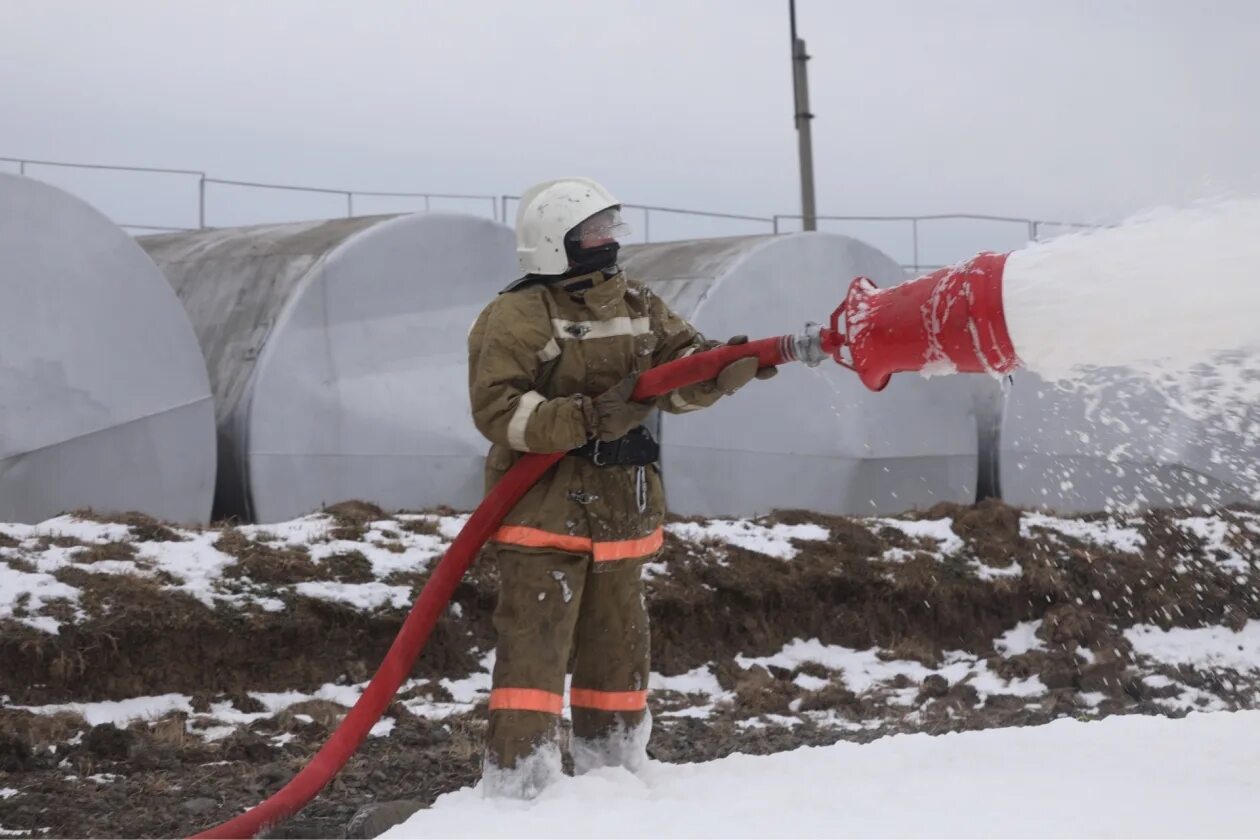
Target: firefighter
552,364
553,361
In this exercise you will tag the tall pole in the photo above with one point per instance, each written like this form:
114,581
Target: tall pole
805,146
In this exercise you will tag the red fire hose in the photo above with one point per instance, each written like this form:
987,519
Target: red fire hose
437,592
953,316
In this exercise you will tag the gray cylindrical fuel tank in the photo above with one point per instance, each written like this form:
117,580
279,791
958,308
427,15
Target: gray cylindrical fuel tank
1119,440
814,439
337,352
104,399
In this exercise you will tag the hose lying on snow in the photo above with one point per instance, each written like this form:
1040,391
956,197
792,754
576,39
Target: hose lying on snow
437,592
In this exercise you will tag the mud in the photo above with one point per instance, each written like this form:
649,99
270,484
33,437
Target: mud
713,605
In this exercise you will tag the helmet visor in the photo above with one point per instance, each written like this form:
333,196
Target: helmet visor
600,229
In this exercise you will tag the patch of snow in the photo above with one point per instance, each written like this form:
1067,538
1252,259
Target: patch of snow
474,687
211,734
1108,534
987,572
1021,638
303,531
940,530
1213,531
654,569
762,721
343,695
361,596
698,712
8,793
382,727
418,554
39,588
118,712
811,683
696,681
195,562
450,526
773,541
864,670
1203,647
68,525
104,778
447,526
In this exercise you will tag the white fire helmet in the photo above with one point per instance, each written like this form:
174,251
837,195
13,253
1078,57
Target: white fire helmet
553,209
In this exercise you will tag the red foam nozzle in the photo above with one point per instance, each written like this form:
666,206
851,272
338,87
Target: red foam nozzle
950,321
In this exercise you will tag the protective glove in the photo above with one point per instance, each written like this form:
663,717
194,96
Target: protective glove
739,373
615,413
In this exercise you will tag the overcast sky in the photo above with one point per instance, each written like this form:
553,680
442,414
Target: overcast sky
1081,109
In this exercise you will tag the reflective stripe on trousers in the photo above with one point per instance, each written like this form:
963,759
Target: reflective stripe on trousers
602,552
537,700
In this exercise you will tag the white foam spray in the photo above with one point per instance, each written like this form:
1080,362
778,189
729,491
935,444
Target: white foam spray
1170,289
1154,326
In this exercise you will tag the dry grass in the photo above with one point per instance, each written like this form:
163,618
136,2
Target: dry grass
326,713
38,732
352,518
106,551
144,528
348,567
265,563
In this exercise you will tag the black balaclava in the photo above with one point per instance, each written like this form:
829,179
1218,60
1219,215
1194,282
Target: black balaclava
586,260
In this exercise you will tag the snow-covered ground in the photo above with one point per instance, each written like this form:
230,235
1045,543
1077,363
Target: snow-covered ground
1131,776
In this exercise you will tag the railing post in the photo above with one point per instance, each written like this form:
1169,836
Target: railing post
201,202
349,205
1032,230
427,205
647,225
21,167
914,233
774,224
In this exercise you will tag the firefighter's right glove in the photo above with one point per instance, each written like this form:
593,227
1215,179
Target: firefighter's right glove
615,413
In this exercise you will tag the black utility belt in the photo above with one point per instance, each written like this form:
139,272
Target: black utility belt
637,448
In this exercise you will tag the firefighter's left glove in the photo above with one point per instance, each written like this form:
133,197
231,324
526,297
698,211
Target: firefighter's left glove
615,412
739,373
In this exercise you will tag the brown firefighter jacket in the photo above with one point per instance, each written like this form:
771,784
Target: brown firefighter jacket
537,355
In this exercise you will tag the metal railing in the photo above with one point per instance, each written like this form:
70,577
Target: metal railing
1033,227
24,163
349,195
203,179
499,209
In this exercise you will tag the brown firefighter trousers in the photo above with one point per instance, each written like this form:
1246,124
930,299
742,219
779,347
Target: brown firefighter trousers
552,604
